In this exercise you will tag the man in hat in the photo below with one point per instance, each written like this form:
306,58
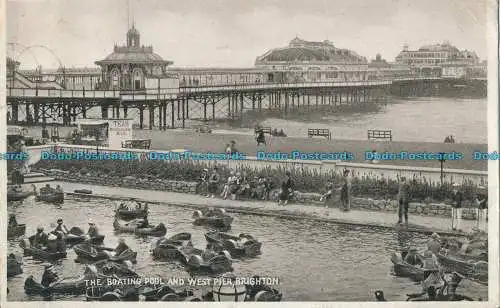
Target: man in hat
481,202
12,220
456,207
61,227
403,199
93,231
345,193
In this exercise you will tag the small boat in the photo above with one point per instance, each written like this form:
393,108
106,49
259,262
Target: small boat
51,197
83,191
77,236
14,265
18,195
477,271
195,262
127,214
215,218
42,254
131,227
243,245
73,286
403,269
262,293
98,253
170,248
15,231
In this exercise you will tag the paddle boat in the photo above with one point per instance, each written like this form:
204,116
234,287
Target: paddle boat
170,248
133,227
97,253
15,231
213,217
40,253
243,245
14,265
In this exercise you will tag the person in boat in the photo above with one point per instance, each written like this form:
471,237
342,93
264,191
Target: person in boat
413,258
40,239
59,189
93,231
12,220
144,223
209,253
49,276
281,133
122,247
138,206
434,244
60,242
61,227
46,190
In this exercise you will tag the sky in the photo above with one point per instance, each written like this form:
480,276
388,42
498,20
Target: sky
232,33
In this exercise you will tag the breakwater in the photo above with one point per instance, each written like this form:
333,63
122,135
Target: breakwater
362,203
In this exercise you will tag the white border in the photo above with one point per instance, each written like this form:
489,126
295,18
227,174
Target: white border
493,180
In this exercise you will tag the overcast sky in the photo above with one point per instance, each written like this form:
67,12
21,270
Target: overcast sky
234,32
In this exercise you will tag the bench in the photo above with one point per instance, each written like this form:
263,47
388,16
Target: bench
322,132
374,134
137,144
266,130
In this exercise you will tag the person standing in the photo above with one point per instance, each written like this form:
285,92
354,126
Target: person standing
204,182
286,189
260,138
328,196
456,209
403,199
345,193
482,209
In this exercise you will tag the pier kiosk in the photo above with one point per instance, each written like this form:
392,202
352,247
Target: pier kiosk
109,133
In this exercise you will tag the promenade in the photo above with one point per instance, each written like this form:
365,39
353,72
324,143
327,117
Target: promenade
422,224
199,142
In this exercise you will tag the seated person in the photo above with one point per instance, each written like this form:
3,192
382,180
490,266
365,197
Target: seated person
40,239
413,258
93,231
12,221
52,243
144,223
46,190
61,227
49,276
60,242
59,189
122,247
209,253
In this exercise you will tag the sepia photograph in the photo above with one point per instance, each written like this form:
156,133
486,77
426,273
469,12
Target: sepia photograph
249,151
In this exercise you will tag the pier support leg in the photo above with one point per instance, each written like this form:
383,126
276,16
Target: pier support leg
184,100
84,112
29,118
172,106
125,112
141,117
205,110
165,105
179,109
36,113
242,102
213,111
151,116
229,106
118,111
160,116
15,113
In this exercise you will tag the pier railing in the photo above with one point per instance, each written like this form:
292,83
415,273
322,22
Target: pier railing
322,167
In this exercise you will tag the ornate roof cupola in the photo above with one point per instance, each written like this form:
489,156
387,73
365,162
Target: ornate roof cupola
133,37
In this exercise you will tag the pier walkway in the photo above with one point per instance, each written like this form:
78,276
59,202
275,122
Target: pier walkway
421,224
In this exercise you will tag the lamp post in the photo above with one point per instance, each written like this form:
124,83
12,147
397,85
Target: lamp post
442,160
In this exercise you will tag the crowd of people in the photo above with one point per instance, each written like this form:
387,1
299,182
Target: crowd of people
238,185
